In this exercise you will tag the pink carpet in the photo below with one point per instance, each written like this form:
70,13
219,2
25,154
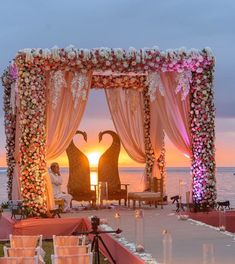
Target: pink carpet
39,226
212,218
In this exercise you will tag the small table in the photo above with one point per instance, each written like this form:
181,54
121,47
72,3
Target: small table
152,197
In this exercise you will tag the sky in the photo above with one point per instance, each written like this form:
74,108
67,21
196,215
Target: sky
138,23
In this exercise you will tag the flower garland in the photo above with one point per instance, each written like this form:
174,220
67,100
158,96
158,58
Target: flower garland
122,81
149,152
10,127
202,116
32,124
118,60
162,165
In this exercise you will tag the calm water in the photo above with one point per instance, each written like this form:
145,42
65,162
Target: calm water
133,176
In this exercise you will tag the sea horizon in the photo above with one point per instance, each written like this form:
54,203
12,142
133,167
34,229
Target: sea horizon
139,167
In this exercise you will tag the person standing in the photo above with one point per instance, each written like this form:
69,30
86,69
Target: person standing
56,180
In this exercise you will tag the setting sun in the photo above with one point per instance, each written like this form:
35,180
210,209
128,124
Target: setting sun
94,158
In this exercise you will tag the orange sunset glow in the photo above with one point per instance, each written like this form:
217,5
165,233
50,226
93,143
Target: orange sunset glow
93,158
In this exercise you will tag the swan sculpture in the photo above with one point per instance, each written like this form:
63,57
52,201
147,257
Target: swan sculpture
108,162
79,172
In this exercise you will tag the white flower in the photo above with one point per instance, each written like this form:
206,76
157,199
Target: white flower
71,55
118,53
28,55
199,70
55,53
46,53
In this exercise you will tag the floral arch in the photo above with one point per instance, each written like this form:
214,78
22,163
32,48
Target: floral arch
149,92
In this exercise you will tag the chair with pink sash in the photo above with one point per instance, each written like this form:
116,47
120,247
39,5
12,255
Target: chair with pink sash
18,241
21,252
19,260
68,241
72,250
74,259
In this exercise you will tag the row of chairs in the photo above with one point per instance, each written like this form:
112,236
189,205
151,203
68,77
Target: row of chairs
28,250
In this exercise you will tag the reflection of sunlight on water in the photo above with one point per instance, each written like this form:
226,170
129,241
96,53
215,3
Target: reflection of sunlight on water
94,179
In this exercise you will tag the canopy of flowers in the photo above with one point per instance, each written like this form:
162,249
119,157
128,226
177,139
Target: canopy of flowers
25,81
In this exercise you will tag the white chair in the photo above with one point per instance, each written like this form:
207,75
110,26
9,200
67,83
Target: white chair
77,259
72,250
19,260
17,241
21,252
68,241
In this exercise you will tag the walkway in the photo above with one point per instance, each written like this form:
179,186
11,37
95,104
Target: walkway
188,236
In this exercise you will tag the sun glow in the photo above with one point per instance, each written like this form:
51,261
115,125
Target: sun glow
94,158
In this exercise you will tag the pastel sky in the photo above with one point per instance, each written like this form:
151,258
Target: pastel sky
125,23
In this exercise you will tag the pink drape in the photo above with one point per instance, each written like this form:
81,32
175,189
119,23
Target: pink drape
156,137
174,113
62,123
126,108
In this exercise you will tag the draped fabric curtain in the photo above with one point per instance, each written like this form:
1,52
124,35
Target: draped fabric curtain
62,122
127,111
174,113
126,108
156,137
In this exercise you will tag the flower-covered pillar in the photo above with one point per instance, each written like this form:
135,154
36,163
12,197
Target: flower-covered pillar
147,141
32,142
202,114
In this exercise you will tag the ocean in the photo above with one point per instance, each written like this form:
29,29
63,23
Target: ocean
134,176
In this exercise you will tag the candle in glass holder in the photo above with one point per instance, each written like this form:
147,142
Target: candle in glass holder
167,247
139,231
222,220
208,254
117,217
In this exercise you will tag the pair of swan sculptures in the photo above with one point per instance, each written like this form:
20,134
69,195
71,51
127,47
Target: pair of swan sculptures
79,169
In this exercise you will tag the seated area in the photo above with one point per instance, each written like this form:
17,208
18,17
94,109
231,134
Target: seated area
150,197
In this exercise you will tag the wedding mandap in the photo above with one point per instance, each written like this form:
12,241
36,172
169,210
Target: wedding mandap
150,93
